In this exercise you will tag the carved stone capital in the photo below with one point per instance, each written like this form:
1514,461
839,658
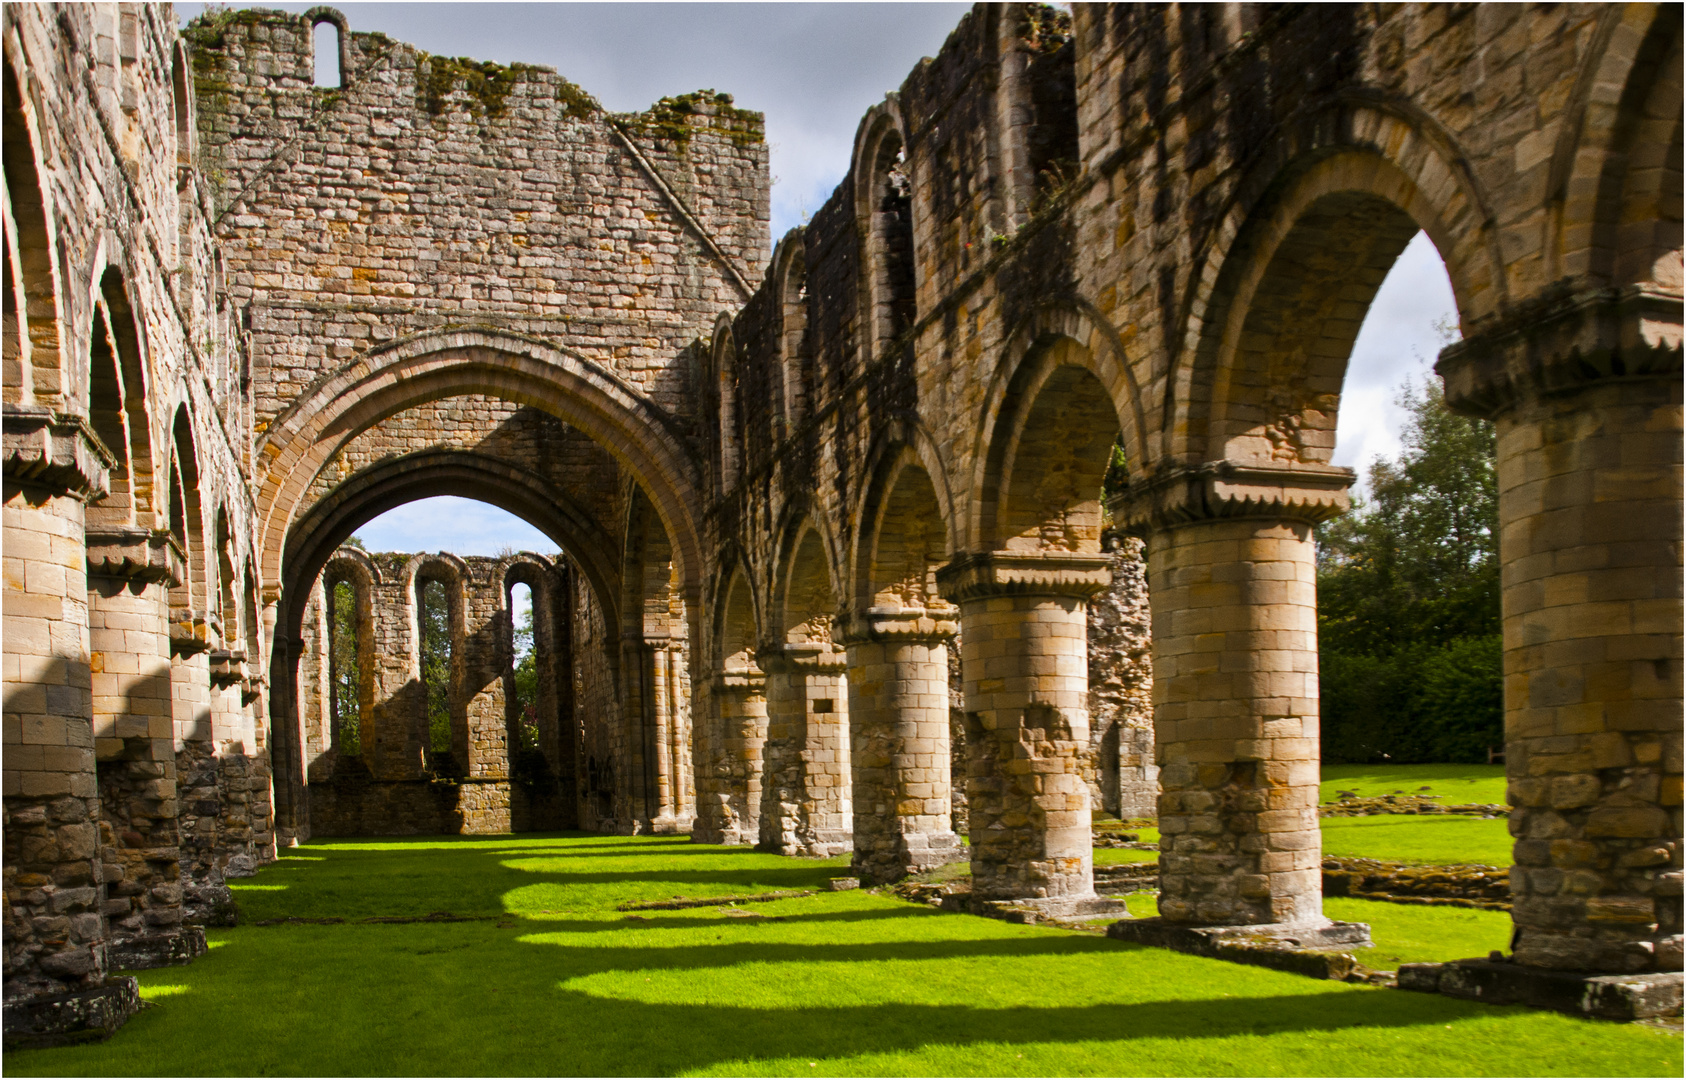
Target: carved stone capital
1563,342
981,574
193,632
934,624
252,686
805,657
136,554
740,682
228,667
53,450
1224,490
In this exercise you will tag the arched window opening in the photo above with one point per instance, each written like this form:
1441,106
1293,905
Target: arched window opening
249,615
325,41
191,601
524,665
345,666
434,628
890,251
181,102
794,345
109,417
731,445
228,597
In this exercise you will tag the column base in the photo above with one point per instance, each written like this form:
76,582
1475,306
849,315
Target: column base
209,904
63,1019
158,950
1316,948
1050,909
918,852
1501,982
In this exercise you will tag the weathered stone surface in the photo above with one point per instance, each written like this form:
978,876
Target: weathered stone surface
1500,982
251,313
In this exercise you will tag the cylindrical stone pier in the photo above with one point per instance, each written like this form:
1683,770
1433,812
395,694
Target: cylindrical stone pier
805,807
729,781
129,573
1587,402
1232,573
55,927
899,742
1025,657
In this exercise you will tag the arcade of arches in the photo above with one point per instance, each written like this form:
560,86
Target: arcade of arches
833,569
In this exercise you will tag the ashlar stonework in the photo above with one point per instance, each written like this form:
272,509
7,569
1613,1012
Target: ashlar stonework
833,569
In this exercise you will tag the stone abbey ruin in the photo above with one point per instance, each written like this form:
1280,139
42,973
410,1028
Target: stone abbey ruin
836,574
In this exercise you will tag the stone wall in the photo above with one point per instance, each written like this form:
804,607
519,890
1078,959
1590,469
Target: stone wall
1127,247
397,785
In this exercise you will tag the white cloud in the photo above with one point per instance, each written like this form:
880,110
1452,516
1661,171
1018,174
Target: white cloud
1397,341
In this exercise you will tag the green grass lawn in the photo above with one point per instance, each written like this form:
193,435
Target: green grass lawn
1403,934
1437,841
1453,783
556,981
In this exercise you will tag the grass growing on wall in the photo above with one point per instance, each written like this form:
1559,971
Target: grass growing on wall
555,981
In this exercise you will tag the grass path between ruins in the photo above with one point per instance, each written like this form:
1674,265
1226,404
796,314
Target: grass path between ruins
552,980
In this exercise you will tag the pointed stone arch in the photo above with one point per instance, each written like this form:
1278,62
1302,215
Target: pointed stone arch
1372,176
447,363
33,359
884,216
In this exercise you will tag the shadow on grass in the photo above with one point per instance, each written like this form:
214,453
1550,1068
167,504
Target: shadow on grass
525,1020
526,995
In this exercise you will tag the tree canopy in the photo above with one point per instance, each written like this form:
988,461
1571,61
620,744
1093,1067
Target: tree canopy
1408,598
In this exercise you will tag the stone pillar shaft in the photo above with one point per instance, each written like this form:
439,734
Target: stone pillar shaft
55,928
1590,495
1236,721
1232,575
806,805
1585,392
1024,650
134,739
899,743
729,781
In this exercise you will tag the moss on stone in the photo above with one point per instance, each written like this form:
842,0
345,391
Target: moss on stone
674,119
488,83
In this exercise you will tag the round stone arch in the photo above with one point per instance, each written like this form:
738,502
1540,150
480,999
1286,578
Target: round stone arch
1610,205
32,233
1376,169
800,522
789,277
1054,342
900,444
449,363
321,528
889,257
733,572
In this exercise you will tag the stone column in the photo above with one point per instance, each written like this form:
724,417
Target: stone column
1024,649
1232,572
660,710
129,573
55,929
899,746
806,805
1586,395
198,786
679,737
729,783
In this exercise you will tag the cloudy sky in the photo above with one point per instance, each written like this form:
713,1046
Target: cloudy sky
814,69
